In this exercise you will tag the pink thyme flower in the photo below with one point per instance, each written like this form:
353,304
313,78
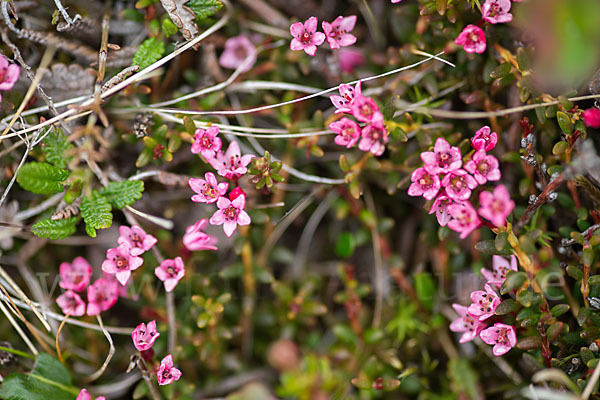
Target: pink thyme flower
502,336
196,240
208,189
496,11
121,262
75,275
9,73
424,184
206,142
496,207
440,208
167,373
170,272
373,139
464,218
347,131
472,38
366,110
231,165
483,167
136,238
466,323
144,336
349,59
101,295
484,303
347,94
484,139
443,159
306,36
458,184
337,32
591,117
230,214
238,49
71,303
85,395
500,267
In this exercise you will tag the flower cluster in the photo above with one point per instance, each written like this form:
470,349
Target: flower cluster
9,73
232,166
125,258
337,33
373,136
143,337
444,180
484,303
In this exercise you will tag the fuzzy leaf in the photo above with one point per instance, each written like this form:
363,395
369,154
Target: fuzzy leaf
42,178
55,230
55,145
204,8
95,211
121,194
148,53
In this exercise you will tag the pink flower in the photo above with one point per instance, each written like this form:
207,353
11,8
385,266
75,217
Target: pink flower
75,275
206,142
85,395
496,207
470,325
424,184
464,218
167,373
502,336
9,73
350,58
366,110
231,165
230,214
396,1
237,50
195,240
101,295
443,159
472,38
500,267
136,239
484,303
121,262
144,336
496,11
237,192
458,184
71,303
306,36
483,167
170,272
591,117
208,189
347,131
484,139
337,32
343,101
440,208
373,139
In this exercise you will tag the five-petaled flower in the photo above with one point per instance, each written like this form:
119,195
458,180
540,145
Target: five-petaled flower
343,101
497,206
440,208
337,32
121,262
170,272
496,11
230,214
195,240
500,267
167,373
472,39
502,336
239,51
366,110
443,159
101,295
459,184
136,239
424,184
208,189
206,142
306,36
464,218
373,138
347,131
143,335
231,165
9,73
466,323
483,167
484,303
484,139
71,304
75,275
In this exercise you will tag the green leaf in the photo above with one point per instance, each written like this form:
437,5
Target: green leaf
95,211
344,246
148,53
559,309
121,194
564,121
506,307
204,8
42,178
48,380
425,288
54,146
514,280
55,230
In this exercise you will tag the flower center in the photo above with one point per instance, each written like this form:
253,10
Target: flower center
426,181
209,191
206,142
306,37
348,133
502,337
366,110
120,262
474,37
240,52
458,183
443,159
231,213
483,167
171,271
486,302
